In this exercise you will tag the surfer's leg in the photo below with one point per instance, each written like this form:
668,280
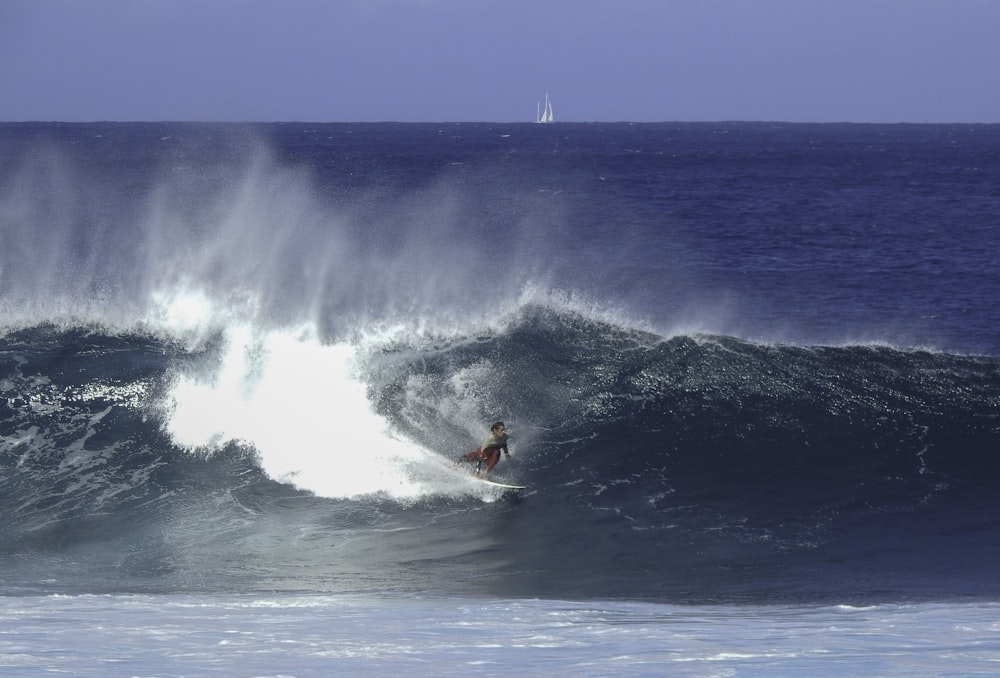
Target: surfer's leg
492,459
474,456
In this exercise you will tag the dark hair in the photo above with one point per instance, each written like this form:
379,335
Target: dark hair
496,425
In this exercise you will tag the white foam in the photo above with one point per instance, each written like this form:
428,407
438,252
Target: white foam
301,405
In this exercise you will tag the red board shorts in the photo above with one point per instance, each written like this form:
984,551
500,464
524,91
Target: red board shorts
491,457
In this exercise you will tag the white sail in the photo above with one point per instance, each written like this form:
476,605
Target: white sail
545,115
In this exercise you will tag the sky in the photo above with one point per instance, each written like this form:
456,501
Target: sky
493,60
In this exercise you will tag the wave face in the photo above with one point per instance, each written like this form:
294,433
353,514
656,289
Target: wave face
697,467
246,358
710,464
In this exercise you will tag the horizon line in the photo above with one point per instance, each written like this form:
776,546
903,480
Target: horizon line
727,121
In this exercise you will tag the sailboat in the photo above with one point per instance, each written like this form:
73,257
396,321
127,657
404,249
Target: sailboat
545,115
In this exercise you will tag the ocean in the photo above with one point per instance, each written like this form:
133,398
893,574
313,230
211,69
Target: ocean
750,374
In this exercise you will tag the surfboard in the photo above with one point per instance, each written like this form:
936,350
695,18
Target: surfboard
503,485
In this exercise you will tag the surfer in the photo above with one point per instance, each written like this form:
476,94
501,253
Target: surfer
489,450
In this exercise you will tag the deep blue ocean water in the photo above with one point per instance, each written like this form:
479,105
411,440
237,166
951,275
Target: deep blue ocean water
750,373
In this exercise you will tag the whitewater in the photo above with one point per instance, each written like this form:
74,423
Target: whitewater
749,372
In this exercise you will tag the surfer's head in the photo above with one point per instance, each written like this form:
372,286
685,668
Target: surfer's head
498,428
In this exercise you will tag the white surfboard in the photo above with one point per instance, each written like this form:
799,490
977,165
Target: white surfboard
503,485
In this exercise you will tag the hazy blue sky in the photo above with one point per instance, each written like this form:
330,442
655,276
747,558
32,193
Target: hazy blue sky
492,60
